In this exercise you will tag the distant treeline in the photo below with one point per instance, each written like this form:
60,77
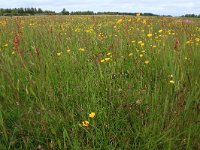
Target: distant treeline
191,15
39,11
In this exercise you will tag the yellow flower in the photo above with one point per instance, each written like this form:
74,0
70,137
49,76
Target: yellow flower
154,46
141,55
139,42
160,31
109,54
146,62
6,45
85,123
142,44
171,81
92,114
68,50
149,35
13,53
119,21
131,54
144,21
58,54
81,49
197,39
102,60
107,59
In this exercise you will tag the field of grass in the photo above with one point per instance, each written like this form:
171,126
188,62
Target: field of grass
99,82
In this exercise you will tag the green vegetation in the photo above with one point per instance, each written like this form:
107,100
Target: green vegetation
99,82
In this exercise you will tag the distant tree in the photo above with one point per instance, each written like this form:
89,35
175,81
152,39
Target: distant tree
64,12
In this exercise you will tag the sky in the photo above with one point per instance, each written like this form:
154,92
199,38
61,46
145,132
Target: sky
160,7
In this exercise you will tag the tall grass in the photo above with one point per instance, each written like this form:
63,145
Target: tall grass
140,75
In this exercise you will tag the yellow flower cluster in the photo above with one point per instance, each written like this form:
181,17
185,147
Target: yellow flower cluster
87,123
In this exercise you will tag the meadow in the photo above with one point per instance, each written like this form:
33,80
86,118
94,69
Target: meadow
99,82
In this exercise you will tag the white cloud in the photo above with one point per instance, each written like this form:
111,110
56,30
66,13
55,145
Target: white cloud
171,7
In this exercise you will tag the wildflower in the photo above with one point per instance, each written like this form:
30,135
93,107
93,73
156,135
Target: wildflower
160,31
102,60
85,123
171,81
197,39
81,49
92,114
141,55
119,21
58,54
154,46
149,35
143,51
68,50
139,42
144,21
108,54
13,53
146,62
131,54
6,45
142,44
107,59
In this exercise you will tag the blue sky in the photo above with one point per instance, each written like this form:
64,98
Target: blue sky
167,7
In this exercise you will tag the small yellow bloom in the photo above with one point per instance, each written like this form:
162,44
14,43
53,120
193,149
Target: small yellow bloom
197,39
102,60
142,44
139,42
146,62
68,50
154,46
131,54
13,53
6,45
109,54
58,54
85,123
92,114
141,55
81,49
171,81
119,21
149,35
107,59
160,31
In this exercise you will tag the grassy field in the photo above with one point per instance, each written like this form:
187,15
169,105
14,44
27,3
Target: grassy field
99,82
